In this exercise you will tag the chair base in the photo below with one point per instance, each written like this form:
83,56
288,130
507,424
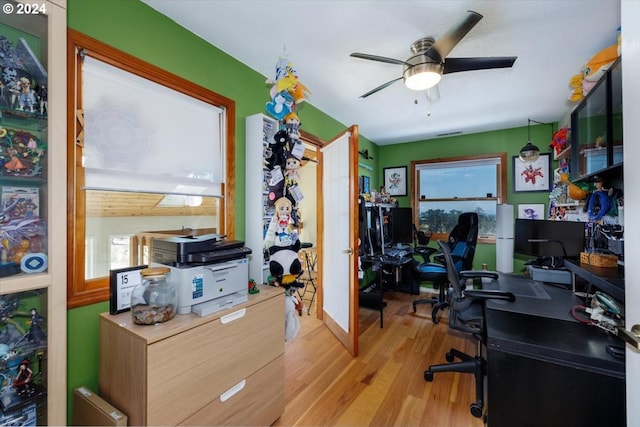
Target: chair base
439,303
469,364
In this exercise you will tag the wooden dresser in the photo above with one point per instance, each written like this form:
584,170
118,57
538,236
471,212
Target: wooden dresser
223,369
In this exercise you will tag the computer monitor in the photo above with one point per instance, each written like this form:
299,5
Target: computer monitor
401,225
545,238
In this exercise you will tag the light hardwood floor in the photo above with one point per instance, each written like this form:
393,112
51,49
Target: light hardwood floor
384,385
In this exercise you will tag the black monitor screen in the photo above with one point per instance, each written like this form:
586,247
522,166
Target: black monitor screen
549,236
401,224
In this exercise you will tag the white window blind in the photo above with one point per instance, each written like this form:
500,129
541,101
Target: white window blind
143,137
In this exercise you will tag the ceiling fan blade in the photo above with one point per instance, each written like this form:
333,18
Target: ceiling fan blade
379,88
454,65
377,58
452,37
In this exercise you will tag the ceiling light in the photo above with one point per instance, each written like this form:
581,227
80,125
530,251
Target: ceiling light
422,76
529,153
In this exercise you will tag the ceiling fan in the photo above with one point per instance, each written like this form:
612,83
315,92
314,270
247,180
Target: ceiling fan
427,65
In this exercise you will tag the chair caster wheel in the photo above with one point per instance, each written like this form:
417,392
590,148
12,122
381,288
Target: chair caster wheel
428,376
450,357
435,319
476,410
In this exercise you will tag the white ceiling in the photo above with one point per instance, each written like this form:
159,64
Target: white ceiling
552,39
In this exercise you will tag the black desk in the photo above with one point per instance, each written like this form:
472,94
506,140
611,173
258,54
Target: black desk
608,280
545,368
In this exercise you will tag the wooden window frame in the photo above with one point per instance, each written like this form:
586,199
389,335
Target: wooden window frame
81,291
501,197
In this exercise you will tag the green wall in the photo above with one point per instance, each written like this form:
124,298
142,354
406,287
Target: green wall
507,140
133,27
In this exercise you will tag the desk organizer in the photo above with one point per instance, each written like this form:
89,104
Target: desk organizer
598,260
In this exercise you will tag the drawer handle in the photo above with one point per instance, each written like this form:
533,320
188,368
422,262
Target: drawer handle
233,390
233,316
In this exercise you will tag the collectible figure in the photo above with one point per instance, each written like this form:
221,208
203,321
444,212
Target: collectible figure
24,380
43,96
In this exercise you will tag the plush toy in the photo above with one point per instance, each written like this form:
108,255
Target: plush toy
593,70
279,148
292,304
291,173
559,140
292,123
284,265
281,230
280,105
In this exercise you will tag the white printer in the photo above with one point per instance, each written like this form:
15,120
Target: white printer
209,272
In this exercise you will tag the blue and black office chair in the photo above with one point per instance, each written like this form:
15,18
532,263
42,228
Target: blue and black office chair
462,244
466,313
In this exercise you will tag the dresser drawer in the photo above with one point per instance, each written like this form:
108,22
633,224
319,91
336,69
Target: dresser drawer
187,371
255,401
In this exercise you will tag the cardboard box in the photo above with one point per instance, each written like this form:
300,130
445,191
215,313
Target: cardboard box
598,260
89,409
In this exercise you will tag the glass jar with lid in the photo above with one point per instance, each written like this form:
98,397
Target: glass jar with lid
155,300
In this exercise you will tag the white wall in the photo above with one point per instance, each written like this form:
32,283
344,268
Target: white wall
308,205
630,17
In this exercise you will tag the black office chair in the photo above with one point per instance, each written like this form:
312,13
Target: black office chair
462,244
466,313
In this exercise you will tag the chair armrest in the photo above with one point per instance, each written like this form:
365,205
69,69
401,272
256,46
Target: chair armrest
472,274
490,294
425,253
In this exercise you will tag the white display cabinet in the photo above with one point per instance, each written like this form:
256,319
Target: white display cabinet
33,229
259,133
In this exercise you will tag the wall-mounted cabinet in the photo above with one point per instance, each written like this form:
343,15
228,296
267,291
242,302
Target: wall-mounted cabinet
33,228
596,129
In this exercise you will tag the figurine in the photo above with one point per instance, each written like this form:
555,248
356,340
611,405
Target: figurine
44,98
24,380
25,99
36,335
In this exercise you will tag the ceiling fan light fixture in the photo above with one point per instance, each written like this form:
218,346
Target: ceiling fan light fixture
423,76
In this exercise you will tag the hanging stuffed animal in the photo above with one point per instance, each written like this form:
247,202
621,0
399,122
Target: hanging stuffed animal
285,266
281,230
292,303
280,105
291,173
278,152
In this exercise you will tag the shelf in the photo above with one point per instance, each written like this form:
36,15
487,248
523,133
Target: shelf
611,172
564,154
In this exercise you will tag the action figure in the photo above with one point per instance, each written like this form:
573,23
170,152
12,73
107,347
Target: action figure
36,335
44,99
24,380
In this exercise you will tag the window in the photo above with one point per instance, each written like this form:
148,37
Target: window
147,158
445,188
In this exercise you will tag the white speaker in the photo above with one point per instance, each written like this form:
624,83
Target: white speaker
504,238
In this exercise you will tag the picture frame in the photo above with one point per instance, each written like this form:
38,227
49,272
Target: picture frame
121,284
395,180
531,211
532,176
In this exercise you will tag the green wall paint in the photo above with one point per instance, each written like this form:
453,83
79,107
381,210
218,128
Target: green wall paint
507,140
135,28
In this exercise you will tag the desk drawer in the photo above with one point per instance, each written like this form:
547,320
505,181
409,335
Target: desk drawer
255,401
189,370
